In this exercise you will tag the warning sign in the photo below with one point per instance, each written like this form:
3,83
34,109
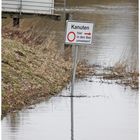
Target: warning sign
78,32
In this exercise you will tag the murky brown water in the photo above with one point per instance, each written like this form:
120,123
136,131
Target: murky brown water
108,112
105,112
115,32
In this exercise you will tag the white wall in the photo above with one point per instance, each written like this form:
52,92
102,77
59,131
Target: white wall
29,6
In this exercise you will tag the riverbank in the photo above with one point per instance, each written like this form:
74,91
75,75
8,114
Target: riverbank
31,74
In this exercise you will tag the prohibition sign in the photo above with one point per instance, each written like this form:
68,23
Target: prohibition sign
71,36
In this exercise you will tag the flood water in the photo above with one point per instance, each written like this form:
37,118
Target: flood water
115,32
104,112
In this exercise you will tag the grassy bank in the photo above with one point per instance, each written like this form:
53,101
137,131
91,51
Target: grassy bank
32,73
29,73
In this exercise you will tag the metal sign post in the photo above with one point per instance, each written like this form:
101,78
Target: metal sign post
77,33
72,90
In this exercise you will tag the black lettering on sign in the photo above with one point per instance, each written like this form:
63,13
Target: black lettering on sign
88,37
79,33
80,27
82,37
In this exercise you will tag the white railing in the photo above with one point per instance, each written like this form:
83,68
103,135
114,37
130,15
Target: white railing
28,6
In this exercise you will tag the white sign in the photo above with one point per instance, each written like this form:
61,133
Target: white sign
78,32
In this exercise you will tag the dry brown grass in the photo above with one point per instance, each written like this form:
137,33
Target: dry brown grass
128,78
33,69
29,72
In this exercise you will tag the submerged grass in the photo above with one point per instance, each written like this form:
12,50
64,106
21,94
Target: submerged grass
119,72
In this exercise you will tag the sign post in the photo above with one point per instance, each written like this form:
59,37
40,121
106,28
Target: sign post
77,33
72,90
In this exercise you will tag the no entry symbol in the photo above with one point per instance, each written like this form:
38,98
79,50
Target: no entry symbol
71,36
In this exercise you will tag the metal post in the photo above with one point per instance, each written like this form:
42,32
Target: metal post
67,47
65,4
16,21
20,7
72,90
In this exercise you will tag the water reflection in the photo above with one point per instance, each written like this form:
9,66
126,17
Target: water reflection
107,111
107,2
101,111
115,35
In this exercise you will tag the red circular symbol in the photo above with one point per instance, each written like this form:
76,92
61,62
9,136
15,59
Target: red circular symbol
71,36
